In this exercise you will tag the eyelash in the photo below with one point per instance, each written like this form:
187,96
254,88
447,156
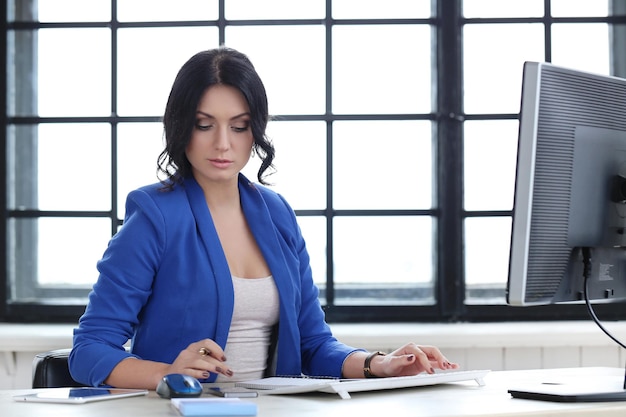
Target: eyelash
236,129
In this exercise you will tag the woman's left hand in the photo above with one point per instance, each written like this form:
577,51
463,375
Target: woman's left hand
411,359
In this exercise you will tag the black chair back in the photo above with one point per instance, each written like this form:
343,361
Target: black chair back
51,370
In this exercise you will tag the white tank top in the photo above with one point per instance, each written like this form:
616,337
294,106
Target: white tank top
255,312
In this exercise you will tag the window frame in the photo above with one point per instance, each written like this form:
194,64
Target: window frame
447,117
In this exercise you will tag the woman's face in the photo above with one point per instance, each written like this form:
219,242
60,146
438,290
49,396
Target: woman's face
221,141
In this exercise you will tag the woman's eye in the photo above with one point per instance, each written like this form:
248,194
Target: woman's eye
240,129
201,126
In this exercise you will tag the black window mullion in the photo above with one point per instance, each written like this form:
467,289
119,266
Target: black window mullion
115,122
330,271
221,22
450,287
547,29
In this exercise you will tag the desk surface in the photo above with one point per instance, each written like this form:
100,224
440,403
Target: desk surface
455,399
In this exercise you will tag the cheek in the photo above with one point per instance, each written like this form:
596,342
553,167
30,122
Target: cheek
192,146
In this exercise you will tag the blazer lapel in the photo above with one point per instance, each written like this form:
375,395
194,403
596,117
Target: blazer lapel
217,259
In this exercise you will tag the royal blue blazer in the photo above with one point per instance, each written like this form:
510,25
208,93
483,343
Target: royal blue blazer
164,283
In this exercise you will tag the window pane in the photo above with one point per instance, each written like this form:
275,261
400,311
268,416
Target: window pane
74,72
493,60
375,9
294,74
148,61
499,8
583,46
579,8
166,10
300,163
48,164
381,69
382,165
69,249
74,167
73,10
274,9
490,157
487,243
65,249
390,254
138,147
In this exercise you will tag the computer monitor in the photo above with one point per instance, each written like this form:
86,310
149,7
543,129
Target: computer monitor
568,241
570,188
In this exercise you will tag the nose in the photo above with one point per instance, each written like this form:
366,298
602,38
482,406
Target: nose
222,139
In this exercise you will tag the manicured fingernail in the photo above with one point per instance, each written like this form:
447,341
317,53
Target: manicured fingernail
205,374
223,358
219,370
410,358
229,372
432,370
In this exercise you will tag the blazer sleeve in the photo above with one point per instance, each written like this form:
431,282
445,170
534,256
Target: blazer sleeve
126,272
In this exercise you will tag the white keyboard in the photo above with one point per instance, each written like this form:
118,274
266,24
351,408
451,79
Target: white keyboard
343,387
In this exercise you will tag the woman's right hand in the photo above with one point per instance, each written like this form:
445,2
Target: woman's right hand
199,359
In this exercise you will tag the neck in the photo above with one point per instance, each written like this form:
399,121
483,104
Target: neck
221,195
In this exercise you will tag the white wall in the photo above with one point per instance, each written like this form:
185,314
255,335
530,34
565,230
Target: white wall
495,346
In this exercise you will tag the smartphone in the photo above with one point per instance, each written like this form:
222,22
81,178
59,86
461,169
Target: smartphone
233,392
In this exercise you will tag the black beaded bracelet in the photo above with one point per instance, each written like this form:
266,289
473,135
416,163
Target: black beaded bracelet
367,371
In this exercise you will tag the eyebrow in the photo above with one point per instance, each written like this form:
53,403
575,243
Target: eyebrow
239,116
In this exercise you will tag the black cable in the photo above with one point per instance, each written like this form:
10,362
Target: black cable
586,274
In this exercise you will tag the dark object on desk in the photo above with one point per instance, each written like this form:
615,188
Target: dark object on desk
233,392
574,390
179,386
571,397
50,370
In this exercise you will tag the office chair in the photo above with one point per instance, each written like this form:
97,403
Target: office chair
50,370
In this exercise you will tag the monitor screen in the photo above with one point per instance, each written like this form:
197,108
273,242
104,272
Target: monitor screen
570,189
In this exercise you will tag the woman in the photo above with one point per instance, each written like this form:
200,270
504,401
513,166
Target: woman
209,276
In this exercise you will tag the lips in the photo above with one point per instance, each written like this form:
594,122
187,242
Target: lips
220,163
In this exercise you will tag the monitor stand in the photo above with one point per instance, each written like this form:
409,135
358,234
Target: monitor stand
609,388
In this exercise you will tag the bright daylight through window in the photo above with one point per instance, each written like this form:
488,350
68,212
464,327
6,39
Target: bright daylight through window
395,126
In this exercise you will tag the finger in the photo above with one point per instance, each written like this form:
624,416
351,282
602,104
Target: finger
422,361
208,356
437,358
215,356
205,365
451,365
208,347
215,367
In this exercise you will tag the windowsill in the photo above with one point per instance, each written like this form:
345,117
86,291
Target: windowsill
481,335
17,337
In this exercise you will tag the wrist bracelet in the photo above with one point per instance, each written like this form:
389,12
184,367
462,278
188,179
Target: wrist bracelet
367,371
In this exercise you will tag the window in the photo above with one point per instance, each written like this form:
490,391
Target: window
396,130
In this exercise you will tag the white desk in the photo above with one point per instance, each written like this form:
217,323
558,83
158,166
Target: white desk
457,399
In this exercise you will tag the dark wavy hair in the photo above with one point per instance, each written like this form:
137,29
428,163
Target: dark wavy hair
207,68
